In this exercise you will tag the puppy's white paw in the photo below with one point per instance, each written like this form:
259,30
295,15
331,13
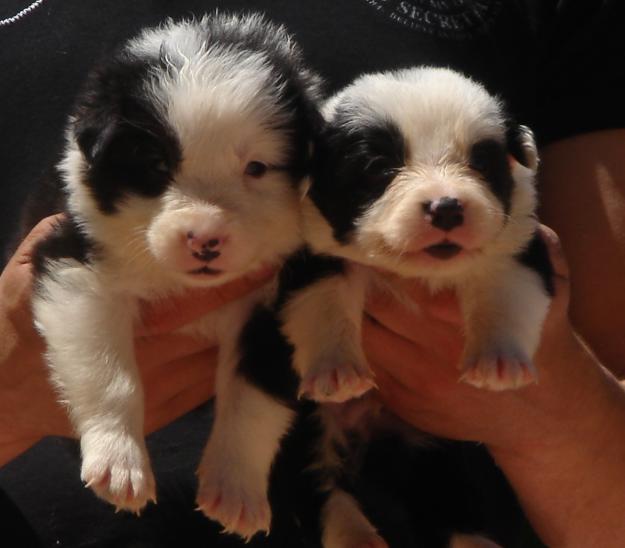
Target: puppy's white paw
497,367
225,496
116,466
334,381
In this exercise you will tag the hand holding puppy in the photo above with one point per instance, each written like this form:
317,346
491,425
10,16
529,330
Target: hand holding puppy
545,437
416,357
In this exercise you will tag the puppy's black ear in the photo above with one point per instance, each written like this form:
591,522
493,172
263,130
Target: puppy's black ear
110,105
94,134
521,145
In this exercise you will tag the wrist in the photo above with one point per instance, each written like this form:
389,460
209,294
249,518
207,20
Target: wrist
566,465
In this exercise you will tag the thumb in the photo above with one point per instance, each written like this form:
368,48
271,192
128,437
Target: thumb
23,254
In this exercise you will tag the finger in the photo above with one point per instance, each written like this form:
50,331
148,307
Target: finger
23,254
179,405
556,254
441,304
169,314
411,363
392,392
562,286
417,327
156,350
394,353
418,299
178,376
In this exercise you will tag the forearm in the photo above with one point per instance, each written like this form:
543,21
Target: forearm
570,477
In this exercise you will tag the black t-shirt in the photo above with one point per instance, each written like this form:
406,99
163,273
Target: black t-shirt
557,64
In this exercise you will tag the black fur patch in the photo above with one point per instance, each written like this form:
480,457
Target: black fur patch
295,492
536,257
266,354
489,159
302,269
67,241
421,495
128,145
265,360
129,148
353,168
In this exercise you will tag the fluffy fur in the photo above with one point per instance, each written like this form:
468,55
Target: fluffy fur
183,167
420,173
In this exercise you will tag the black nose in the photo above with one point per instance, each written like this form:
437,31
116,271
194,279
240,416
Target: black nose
445,213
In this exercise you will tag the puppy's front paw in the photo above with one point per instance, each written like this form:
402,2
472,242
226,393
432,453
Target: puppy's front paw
334,381
116,466
225,496
498,366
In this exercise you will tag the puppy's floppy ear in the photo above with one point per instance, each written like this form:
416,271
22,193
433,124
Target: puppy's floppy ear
110,108
94,134
521,145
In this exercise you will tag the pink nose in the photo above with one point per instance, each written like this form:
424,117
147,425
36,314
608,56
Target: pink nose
205,248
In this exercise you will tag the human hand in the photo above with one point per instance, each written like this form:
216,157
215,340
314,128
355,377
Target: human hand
416,356
559,442
177,370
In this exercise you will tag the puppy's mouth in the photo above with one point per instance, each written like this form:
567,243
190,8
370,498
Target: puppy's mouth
204,271
443,250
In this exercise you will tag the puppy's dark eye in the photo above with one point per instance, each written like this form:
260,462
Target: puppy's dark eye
255,169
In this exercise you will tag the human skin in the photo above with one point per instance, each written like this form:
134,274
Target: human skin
178,371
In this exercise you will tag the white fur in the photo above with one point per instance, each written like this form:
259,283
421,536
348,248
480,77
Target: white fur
222,109
440,115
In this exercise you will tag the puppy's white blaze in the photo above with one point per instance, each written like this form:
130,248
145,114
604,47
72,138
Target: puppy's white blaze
218,88
323,322
343,522
428,104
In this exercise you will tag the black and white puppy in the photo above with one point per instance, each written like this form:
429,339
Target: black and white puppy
418,172
183,167
421,173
